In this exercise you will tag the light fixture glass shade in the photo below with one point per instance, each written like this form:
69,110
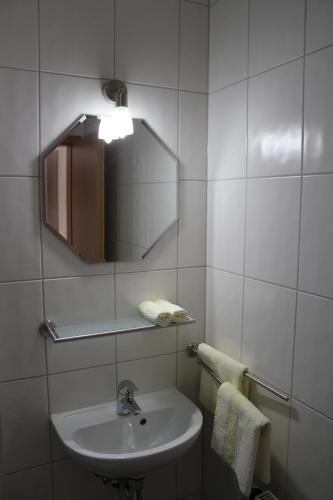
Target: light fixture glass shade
123,121
116,126
107,130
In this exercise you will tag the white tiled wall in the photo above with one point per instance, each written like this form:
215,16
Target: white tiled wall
53,63
270,225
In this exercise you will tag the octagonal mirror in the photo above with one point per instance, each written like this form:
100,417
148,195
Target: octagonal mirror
109,202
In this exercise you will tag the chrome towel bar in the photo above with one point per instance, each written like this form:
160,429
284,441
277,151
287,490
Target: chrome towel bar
192,351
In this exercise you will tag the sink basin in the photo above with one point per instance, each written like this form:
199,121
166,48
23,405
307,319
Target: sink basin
132,445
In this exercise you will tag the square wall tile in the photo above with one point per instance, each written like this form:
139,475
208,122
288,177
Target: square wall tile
224,304
227,133
20,252
158,107
146,344
59,261
226,225
193,65
277,411
147,37
275,121
272,233
314,345
19,33
276,32
24,424
310,449
188,376
150,374
81,388
268,331
319,24
22,352
318,112
19,122
134,288
193,115
192,224
316,259
79,300
77,37
31,484
191,295
228,45
73,482
90,352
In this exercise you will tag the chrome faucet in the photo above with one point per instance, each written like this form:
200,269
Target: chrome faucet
125,398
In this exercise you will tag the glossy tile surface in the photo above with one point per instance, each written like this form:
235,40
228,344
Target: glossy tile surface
146,344
134,288
19,34
22,352
147,42
319,24
24,424
226,225
193,114
310,449
271,252
227,134
318,110
224,311
72,301
163,368
313,347
81,388
192,234
275,121
268,331
33,484
20,248
316,260
77,38
193,49
228,43
19,122
276,32
191,295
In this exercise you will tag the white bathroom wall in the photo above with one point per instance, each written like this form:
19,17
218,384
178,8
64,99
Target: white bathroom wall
270,225
54,58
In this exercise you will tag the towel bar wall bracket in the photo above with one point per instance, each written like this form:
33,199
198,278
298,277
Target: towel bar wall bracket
192,352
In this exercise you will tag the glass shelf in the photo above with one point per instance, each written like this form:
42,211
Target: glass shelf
101,328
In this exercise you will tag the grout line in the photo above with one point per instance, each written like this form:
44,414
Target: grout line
21,379
41,246
18,176
28,468
309,407
246,174
298,258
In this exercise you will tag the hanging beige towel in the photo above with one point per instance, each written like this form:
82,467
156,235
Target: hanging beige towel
226,368
242,437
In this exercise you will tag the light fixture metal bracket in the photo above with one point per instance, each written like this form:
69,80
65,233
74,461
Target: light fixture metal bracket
116,91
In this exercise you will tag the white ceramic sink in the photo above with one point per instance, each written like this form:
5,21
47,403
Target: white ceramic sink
127,446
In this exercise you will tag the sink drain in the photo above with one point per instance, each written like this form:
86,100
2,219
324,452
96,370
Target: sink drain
143,421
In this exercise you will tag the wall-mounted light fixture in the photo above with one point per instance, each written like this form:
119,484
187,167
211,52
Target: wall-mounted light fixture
119,124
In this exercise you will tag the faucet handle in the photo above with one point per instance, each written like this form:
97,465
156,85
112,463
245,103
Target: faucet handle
128,385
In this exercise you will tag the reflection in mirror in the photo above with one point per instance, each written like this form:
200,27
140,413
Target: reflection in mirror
110,202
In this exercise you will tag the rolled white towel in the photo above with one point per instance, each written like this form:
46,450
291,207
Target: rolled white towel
155,313
179,314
